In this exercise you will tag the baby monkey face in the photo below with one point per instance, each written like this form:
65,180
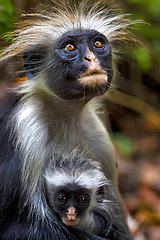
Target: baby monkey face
71,203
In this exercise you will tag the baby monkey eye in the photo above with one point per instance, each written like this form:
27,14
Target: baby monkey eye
98,44
82,199
62,198
70,47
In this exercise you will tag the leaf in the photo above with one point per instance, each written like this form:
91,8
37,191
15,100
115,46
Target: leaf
143,58
6,18
123,144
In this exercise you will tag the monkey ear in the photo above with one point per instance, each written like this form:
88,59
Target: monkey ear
33,61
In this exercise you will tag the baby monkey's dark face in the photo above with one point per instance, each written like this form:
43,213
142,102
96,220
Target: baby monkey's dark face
80,65
71,203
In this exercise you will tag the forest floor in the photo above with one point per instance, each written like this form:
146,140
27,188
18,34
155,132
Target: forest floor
138,157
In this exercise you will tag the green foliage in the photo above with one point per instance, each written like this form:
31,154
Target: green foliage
6,19
143,58
147,54
148,6
123,144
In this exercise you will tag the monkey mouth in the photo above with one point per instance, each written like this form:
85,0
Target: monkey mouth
70,221
93,79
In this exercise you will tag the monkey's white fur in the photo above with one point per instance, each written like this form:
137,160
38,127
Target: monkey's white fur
31,125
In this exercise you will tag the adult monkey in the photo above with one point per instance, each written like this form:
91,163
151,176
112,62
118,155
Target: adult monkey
67,55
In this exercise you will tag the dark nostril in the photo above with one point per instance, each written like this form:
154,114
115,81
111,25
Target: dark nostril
87,57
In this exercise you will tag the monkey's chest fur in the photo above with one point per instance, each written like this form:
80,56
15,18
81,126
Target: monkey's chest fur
47,127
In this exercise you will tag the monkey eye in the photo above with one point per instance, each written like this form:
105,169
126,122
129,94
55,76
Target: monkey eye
82,199
62,199
98,44
69,47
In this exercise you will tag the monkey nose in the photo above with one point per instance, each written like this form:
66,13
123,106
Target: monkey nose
89,56
71,211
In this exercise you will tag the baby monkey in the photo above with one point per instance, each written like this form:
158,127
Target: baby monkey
71,202
75,190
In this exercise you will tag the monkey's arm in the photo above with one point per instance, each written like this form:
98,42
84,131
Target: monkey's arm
23,231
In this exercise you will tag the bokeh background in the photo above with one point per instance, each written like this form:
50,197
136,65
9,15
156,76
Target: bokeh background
132,109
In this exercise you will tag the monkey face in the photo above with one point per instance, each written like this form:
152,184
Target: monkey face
80,65
71,203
